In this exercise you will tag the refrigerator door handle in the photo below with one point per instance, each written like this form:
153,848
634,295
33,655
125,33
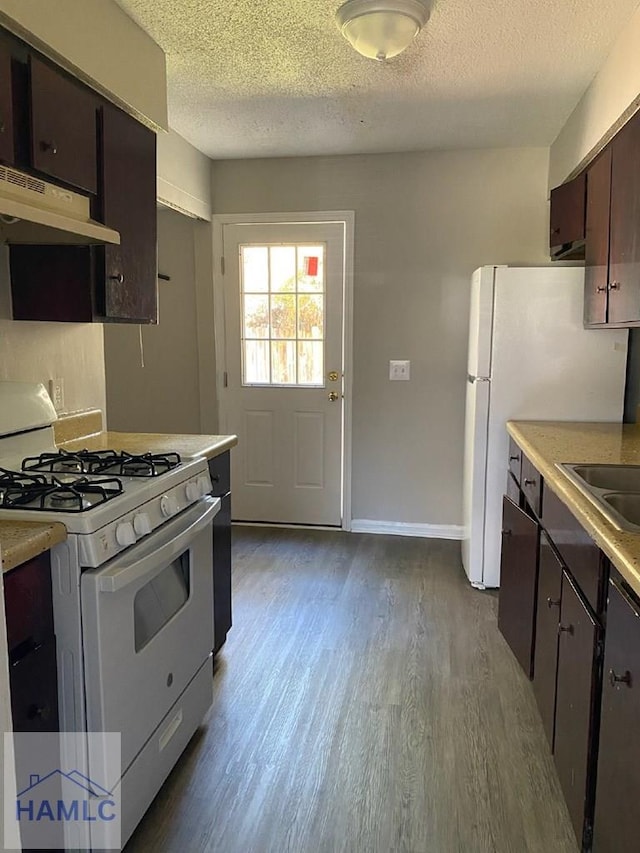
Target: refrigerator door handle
473,379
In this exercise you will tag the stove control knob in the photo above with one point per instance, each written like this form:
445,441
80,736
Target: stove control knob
193,491
141,524
168,506
204,485
125,534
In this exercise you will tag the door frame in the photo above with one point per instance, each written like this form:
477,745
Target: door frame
346,218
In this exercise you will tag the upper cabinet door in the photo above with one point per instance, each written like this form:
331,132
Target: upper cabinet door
568,213
6,108
128,191
624,262
63,128
597,240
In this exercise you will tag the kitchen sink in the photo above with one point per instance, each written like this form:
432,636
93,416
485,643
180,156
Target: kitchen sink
613,489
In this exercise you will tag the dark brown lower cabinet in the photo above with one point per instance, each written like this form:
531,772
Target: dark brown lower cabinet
222,573
518,582
576,707
618,788
547,621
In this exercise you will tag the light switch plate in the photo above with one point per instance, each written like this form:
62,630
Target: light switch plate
399,370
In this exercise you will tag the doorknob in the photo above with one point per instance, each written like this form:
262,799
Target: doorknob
334,376
333,396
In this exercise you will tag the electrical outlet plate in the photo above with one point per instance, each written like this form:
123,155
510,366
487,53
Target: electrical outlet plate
400,370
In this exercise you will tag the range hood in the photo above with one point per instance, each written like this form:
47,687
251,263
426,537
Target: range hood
34,211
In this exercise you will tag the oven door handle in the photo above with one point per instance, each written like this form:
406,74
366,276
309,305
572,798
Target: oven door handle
123,575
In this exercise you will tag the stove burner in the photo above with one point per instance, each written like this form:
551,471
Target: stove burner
103,462
76,496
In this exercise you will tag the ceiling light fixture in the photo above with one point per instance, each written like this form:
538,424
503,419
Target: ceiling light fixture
380,29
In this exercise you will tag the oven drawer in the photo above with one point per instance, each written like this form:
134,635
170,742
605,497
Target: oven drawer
148,626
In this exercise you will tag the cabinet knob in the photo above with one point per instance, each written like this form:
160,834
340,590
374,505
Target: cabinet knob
506,533
43,712
49,146
555,230
565,629
619,679
515,458
615,285
119,278
601,289
553,602
529,482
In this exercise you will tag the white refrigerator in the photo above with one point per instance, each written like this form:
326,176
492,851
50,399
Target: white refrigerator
529,359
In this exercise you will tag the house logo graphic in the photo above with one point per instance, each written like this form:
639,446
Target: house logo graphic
88,801
62,790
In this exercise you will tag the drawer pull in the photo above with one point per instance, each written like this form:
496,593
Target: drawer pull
565,629
529,482
119,278
619,679
553,602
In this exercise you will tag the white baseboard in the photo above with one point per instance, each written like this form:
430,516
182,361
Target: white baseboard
401,528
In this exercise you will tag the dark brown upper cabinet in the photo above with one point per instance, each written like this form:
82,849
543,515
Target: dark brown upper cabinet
127,275
63,127
612,284
596,292
618,791
624,252
6,107
567,227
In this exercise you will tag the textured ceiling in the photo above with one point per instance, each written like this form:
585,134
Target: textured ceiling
261,78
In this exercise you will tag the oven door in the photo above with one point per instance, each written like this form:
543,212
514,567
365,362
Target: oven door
147,620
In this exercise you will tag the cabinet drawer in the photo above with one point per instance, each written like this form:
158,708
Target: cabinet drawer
515,461
531,485
220,473
28,604
579,552
34,690
63,127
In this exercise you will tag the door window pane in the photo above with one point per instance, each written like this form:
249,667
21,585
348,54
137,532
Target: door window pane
255,269
283,314
283,363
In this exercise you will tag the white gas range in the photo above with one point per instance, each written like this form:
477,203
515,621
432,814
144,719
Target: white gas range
132,590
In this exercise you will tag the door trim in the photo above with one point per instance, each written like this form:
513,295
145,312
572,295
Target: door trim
343,217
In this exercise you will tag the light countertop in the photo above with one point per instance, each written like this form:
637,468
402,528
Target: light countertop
547,443
208,446
23,540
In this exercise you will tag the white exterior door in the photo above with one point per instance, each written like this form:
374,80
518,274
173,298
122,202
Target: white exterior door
283,297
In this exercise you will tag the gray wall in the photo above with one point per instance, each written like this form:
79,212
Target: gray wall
424,221
162,396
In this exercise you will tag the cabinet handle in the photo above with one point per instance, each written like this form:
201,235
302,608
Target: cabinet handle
119,278
506,533
514,459
619,679
615,285
529,482
601,289
553,602
49,146
565,629
41,711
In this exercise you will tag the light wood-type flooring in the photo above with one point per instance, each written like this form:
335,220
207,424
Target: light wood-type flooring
364,702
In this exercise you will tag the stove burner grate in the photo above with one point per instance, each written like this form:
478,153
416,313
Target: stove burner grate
78,496
121,464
